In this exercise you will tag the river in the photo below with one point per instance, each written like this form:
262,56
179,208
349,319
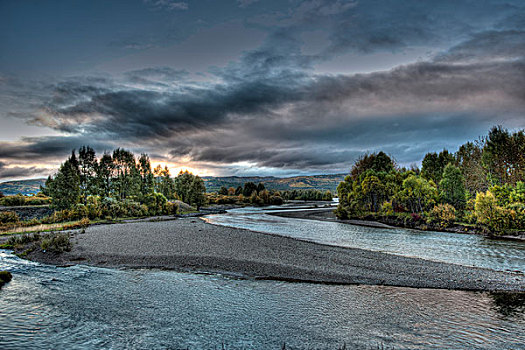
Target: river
82,307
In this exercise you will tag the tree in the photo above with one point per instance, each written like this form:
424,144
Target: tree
452,187
504,156
238,190
373,191
147,183
260,187
468,159
165,184
327,196
104,175
223,191
64,188
126,176
87,162
418,194
197,191
249,187
379,162
433,165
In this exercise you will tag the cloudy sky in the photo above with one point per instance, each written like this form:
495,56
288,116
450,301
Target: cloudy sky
255,87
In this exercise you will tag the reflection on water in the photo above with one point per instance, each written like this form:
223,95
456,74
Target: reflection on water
509,304
82,307
463,249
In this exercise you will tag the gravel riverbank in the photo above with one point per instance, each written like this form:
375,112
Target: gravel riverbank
189,244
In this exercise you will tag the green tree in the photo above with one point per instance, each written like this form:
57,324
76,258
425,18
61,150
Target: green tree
64,188
373,191
223,191
468,159
147,179
433,165
238,190
87,162
452,187
165,184
197,192
105,171
418,194
126,176
249,187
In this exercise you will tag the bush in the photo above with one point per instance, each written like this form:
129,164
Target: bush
11,201
83,223
156,203
58,216
57,243
94,208
39,200
341,213
442,214
387,209
492,216
9,217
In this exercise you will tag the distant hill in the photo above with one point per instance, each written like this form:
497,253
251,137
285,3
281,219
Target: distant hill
25,187
213,184
319,182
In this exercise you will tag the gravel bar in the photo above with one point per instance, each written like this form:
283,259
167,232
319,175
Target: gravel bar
191,245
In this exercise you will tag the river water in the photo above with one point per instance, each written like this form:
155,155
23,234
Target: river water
82,307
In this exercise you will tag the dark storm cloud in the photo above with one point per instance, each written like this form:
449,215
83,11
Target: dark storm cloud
42,149
270,108
18,172
295,121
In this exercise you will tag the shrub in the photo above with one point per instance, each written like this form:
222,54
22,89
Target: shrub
443,214
341,213
9,217
83,223
11,201
156,203
94,208
489,214
57,243
387,208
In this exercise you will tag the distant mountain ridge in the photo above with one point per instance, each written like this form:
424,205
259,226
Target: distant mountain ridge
318,182
213,184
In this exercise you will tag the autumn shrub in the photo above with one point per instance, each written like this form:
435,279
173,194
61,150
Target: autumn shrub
442,214
491,215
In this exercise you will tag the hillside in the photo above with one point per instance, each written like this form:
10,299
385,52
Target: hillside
320,182
25,187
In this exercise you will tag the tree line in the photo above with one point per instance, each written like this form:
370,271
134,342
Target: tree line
480,184
122,178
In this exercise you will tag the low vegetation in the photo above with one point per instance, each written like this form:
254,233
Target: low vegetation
482,185
21,200
48,242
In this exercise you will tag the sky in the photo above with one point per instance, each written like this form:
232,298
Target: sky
255,87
